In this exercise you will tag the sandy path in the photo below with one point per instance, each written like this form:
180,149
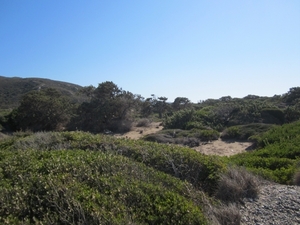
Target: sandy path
223,148
138,132
217,147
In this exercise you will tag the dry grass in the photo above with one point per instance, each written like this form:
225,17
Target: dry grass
233,186
227,214
221,214
236,184
297,178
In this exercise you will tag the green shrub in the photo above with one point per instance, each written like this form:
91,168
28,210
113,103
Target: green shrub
208,135
201,170
159,138
91,187
245,132
179,119
144,122
279,170
283,133
120,126
180,136
278,155
231,133
194,125
273,115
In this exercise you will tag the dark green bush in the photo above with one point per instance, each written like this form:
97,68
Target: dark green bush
272,116
194,125
179,119
159,138
120,126
208,135
231,133
244,132
144,122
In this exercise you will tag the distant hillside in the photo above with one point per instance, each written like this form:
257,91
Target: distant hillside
12,89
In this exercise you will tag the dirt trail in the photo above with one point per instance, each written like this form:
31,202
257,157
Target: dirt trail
217,147
223,148
139,132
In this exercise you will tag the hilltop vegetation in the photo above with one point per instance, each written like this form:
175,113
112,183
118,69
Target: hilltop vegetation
13,89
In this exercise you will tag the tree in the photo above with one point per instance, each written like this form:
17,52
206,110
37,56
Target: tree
225,99
161,105
155,105
292,96
88,91
43,110
181,103
147,107
109,108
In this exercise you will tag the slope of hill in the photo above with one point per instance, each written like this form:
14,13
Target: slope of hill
12,89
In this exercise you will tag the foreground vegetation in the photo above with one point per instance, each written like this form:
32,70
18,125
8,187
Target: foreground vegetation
79,177
278,156
84,187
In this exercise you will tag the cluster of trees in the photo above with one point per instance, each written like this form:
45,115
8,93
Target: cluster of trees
108,107
48,109
226,112
41,110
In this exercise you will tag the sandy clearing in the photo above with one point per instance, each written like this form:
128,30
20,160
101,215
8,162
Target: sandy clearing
138,132
223,148
218,147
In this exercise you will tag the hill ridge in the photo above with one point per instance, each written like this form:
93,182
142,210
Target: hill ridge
13,88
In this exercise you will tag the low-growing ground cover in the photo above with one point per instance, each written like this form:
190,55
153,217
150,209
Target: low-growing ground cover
60,177
191,138
278,156
91,187
200,170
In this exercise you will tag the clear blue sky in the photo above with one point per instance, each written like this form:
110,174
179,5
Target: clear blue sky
173,48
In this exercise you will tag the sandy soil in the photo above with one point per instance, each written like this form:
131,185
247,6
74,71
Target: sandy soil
217,147
223,148
138,132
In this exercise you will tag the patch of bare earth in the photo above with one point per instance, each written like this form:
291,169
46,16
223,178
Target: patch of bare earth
218,147
139,132
223,148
